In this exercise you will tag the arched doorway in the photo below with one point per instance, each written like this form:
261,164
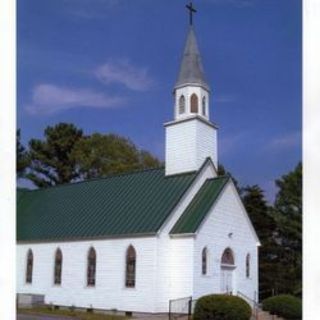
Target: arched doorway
226,271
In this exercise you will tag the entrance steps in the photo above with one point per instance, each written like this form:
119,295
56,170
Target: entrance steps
264,315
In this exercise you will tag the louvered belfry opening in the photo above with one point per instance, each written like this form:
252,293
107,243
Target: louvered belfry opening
131,267
182,103
194,103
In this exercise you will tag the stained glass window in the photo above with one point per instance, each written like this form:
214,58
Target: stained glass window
58,267
227,257
91,271
29,266
131,267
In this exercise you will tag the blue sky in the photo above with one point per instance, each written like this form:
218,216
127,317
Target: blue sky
110,66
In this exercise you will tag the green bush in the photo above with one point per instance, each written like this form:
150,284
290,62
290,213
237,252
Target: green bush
221,307
284,305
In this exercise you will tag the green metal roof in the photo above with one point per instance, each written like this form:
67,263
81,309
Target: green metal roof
126,204
200,205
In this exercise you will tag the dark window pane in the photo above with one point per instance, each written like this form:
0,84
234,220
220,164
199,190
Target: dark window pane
91,270
58,267
227,257
130,267
29,266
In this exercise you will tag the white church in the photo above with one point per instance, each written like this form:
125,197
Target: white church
132,242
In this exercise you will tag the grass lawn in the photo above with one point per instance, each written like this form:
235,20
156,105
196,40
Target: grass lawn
81,315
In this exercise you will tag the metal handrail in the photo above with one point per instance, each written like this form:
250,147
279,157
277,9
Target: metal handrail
255,303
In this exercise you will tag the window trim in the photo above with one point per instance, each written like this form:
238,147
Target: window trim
204,106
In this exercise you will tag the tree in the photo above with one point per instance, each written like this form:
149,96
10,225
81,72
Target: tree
51,163
260,215
288,214
223,172
23,159
99,155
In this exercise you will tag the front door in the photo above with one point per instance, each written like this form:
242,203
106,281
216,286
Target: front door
226,280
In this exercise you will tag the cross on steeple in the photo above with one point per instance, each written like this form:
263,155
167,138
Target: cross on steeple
191,11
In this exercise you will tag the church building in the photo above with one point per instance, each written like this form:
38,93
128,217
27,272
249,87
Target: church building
134,241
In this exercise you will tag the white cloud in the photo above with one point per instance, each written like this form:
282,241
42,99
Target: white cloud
49,99
224,98
87,9
287,141
122,72
230,144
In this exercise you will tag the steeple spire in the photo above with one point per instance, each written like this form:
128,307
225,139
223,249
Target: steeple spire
191,69
190,138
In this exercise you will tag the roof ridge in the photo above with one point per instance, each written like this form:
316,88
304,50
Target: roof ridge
113,175
225,176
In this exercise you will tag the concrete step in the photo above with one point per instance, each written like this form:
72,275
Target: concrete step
264,315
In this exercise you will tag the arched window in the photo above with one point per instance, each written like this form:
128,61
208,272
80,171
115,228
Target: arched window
131,267
57,266
29,268
248,265
91,270
182,104
204,106
227,257
204,261
194,103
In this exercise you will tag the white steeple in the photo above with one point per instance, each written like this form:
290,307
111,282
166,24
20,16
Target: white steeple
191,137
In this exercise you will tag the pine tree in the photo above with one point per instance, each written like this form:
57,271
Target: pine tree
264,224
51,163
288,214
23,159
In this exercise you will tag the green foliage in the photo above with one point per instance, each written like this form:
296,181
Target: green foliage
51,162
71,312
221,307
23,159
288,215
223,172
99,155
286,306
265,226
65,155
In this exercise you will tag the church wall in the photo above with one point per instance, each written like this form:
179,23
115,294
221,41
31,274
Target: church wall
180,147
227,216
188,144
109,292
175,256
206,142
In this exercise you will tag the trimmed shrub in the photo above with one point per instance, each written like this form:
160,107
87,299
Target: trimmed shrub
221,307
284,305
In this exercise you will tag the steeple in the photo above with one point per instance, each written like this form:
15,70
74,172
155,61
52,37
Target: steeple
191,69
190,138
